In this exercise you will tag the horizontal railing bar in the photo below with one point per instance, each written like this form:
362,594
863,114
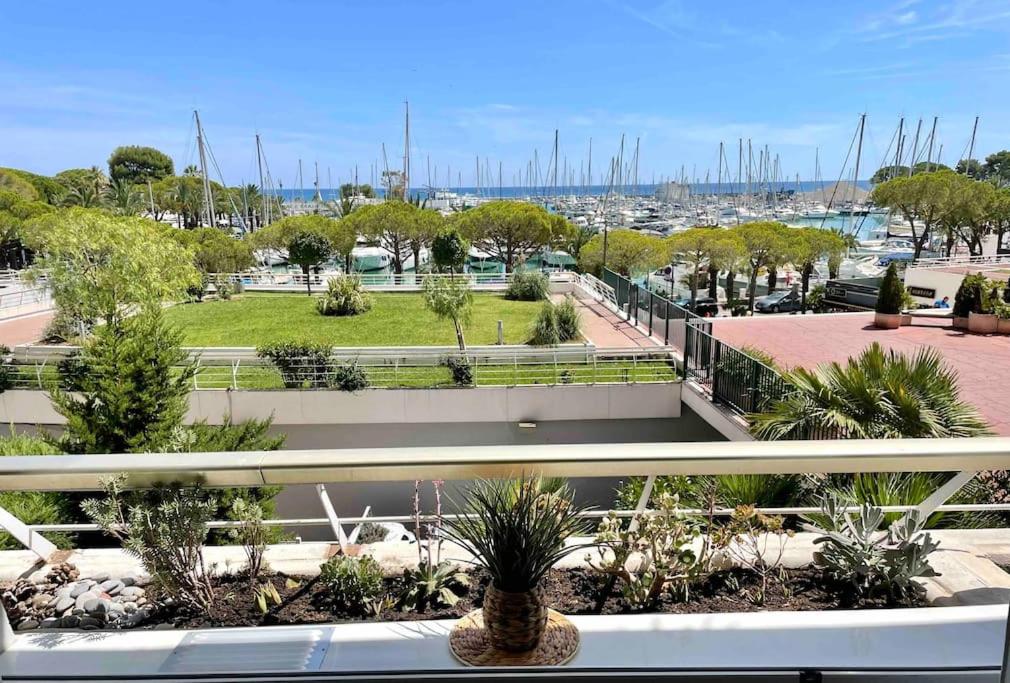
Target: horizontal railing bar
86,472
590,514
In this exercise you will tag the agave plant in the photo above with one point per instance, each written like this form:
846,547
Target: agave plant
876,395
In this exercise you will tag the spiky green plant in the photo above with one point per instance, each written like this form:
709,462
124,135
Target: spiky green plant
569,321
544,329
516,530
876,395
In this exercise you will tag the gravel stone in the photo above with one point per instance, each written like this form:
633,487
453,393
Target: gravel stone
99,578
91,606
132,592
27,625
84,598
63,604
129,581
51,622
79,589
70,621
112,586
89,623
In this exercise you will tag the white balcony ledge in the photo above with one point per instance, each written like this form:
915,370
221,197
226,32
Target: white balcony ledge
932,639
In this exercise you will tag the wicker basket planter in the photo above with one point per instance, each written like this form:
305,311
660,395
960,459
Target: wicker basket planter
515,621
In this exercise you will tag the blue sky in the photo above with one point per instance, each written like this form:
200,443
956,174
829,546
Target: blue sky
326,81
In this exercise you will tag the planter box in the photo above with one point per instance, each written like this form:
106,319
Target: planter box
931,644
906,319
982,323
1003,326
960,323
887,321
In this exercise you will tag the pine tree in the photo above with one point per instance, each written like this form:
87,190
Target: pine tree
130,388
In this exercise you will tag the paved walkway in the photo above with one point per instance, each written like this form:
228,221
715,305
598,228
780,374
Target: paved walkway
24,330
982,362
606,329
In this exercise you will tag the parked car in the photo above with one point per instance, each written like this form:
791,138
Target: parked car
705,306
778,302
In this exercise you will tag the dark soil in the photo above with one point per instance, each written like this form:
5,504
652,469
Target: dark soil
576,591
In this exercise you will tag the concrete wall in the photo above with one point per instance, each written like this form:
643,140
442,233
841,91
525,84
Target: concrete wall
401,406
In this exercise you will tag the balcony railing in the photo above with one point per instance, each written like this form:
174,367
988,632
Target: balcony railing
281,468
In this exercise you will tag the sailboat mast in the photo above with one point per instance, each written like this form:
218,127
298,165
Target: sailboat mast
406,149
932,137
915,148
971,147
265,216
208,198
855,176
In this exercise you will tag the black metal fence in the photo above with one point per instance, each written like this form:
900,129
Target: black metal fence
732,377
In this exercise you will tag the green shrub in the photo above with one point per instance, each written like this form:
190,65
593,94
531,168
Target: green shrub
874,563
568,320
34,507
462,371
355,584
529,286
303,365
344,296
349,377
7,370
544,330
891,291
370,532
970,294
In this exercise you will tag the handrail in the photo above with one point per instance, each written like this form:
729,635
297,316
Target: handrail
941,261
260,468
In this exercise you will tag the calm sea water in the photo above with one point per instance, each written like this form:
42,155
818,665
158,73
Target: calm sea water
593,190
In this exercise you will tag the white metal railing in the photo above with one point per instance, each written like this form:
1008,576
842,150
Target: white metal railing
37,367
597,289
23,296
403,281
944,261
280,468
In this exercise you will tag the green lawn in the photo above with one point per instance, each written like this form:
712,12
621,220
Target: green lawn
394,320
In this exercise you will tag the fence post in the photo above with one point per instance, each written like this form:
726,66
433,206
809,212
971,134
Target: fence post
715,370
754,389
652,307
234,373
666,335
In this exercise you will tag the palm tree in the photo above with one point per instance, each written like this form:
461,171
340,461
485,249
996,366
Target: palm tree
877,395
87,195
123,198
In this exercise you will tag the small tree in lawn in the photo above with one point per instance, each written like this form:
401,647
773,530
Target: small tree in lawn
308,250
449,251
450,299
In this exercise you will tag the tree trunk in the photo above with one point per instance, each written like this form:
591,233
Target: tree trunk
713,282
751,289
808,269
730,289
459,334
694,285
347,262
773,278
416,249
308,279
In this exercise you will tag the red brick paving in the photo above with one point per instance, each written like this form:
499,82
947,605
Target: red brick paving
981,361
23,330
606,329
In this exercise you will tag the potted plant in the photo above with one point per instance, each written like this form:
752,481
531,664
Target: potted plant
908,304
982,318
968,296
1002,311
517,530
888,309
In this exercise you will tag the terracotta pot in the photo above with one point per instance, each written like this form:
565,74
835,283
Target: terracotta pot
982,323
960,323
515,621
887,321
1003,326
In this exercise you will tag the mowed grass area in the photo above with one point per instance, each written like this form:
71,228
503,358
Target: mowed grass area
394,320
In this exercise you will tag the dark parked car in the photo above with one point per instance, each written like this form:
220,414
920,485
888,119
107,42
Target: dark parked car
705,306
777,302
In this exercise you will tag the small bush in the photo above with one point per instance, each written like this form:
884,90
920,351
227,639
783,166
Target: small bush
62,328
6,368
544,331
568,319
462,371
371,532
302,365
349,377
874,563
355,584
891,292
251,534
970,294
529,286
344,296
